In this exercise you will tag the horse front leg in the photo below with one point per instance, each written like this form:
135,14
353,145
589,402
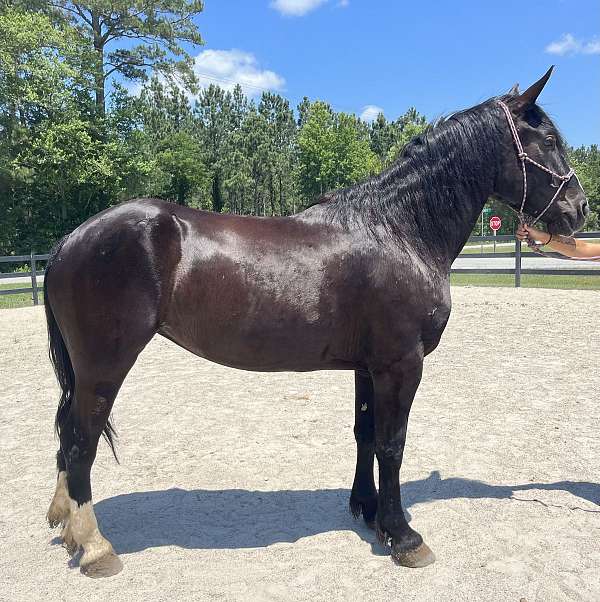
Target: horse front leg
363,499
395,386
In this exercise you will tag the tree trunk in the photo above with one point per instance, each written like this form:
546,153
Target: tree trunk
272,194
217,200
99,68
181,193
281,204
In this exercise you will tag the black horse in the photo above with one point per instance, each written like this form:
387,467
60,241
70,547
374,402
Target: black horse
359,281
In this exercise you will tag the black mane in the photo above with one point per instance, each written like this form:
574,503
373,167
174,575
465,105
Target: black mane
433,180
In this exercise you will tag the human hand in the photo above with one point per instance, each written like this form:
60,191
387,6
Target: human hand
525,232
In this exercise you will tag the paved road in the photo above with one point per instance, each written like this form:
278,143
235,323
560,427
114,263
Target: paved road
21,280
539,263
464,262
472,263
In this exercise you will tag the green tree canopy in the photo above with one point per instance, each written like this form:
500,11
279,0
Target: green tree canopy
334,150
154,32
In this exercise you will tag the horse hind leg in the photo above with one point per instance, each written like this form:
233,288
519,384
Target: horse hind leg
96,372
58,513
62,510
103,293
79,436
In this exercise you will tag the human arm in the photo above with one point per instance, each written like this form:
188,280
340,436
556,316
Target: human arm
565,245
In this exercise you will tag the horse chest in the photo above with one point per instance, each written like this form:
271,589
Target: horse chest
419,310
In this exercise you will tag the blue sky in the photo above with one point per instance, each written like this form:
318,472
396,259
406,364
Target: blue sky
435,56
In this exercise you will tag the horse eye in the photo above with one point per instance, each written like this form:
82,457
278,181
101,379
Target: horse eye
556,182
549,141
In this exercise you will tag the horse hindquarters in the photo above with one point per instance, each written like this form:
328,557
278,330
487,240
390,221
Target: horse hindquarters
100,314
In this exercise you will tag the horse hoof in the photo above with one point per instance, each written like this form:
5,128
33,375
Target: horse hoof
414,559
57,514
59,506
54,518
71,547
106,566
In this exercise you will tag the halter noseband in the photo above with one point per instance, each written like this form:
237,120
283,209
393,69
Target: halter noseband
524,157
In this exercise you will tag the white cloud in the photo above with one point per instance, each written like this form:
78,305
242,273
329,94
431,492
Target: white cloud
343,3
370,112
569,44
230,67
296,8
592,47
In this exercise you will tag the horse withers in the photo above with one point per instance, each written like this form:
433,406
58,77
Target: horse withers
359,281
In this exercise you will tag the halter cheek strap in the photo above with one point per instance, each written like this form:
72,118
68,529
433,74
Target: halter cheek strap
523,158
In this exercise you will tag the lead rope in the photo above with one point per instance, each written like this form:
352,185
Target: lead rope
524,157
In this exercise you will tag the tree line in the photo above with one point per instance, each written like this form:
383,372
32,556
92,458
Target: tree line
74,139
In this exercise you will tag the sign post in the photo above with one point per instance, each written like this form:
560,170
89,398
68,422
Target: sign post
495,225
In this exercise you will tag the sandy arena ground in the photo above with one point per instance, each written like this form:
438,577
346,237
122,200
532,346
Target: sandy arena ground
235,485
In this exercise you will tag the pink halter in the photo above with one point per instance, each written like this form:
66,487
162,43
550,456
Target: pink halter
523,157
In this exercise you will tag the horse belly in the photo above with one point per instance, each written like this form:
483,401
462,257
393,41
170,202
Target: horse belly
256,325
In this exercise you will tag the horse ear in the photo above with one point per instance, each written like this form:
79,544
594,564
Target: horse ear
514,90
530,95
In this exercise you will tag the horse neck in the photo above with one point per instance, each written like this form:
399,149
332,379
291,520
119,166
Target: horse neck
436,200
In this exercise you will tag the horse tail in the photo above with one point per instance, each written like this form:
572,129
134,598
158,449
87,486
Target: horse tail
57,350
61,361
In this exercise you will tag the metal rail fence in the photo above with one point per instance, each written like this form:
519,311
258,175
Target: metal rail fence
33,273
517,270
518,254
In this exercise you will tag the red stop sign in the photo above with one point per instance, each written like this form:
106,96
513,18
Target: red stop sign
495,223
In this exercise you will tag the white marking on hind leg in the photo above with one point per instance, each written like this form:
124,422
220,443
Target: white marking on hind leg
59,506
67,536
84,529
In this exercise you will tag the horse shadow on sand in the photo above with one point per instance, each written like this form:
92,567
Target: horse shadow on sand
239,518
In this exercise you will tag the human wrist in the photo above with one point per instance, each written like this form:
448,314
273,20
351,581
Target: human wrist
549,239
